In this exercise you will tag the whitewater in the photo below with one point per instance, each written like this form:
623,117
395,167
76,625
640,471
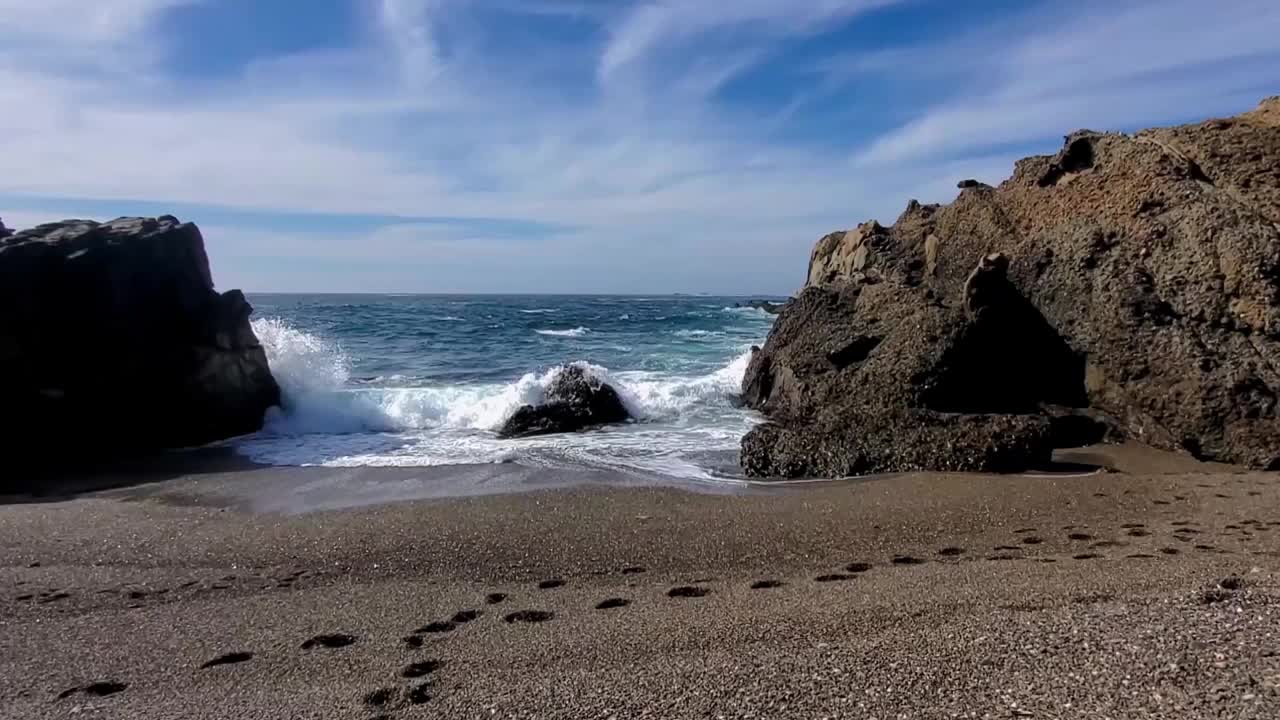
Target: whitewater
427,380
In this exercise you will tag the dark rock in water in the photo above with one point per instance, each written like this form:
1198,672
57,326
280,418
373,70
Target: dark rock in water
4,231
773,308
1126,288
575,400
113,340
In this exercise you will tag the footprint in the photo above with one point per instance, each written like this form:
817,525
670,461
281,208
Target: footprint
1169,551
228,659
1032,540
412,641
1079,536
465,616
54,597
529,616
1023,531
551,584
766,584
1085,556
834,577
329,641
632,570
907,560
1206,548
1160,502
687,591
1138,532
381,697
495,598
98,689
420,669
439,626
1232,583
1007,548
1046,560
612,603
1132,526
419,694
858,567
951,551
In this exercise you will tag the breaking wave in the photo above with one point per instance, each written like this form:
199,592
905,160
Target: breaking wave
319,397
575,332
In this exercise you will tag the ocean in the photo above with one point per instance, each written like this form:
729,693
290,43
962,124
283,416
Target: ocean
425,380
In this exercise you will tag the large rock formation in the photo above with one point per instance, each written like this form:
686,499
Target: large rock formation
575,400
1130,281
113,340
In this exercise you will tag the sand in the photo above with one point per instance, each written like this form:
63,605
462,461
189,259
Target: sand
232,591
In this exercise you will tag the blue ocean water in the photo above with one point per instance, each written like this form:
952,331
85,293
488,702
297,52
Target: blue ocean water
410,380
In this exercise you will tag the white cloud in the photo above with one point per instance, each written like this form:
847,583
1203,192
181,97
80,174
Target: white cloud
1095,65
617,134
656,26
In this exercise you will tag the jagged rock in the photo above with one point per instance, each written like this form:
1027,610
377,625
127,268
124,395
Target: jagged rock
863,378
113,340
1143,281
773,308
575,400
4,231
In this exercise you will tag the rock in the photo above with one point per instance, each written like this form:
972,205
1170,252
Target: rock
866,378
1130,279
575,400
773,308
4,231
113,341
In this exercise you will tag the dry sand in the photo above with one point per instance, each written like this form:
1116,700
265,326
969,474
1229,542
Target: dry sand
1119,594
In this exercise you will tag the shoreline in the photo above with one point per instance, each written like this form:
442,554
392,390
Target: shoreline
143,586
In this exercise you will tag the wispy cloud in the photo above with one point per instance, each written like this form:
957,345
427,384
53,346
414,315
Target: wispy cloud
601,132
1103,65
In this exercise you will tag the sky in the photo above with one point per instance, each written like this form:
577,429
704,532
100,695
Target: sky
607,146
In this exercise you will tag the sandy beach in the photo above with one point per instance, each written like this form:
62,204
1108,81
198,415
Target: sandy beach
250,592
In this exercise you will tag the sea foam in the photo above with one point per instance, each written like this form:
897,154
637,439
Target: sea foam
314,377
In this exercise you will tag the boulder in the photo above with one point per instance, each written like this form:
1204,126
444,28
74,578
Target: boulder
1130,280
575,400
773,308
114,341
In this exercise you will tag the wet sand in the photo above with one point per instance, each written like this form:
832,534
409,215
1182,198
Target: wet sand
237,591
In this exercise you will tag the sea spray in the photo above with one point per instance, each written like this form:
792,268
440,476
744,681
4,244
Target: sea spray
395,381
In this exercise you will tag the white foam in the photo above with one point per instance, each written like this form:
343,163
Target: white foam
328,420
753,312
313,377
702,334
539,311
448,318
575,332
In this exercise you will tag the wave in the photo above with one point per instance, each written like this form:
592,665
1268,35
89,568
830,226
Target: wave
539,311
575,332
754,312
699,333
448,318
318,397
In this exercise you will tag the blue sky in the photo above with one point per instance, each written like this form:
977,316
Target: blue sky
570,145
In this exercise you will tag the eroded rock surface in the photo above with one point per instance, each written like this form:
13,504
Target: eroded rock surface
1133,280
